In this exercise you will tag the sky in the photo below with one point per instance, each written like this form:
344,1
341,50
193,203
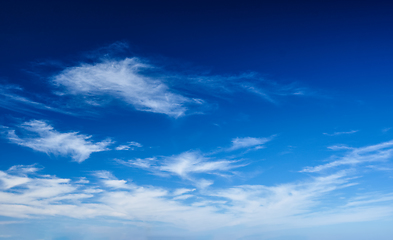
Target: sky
196,120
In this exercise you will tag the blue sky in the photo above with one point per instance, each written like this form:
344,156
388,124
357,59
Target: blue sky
196,120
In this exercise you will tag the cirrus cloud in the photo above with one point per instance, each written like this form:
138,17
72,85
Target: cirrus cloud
42,137
126,80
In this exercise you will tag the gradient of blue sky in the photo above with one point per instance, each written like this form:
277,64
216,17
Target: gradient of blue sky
196,120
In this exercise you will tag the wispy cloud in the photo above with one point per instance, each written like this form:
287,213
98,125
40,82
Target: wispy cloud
152,87
340,133
370,199
285,205
281,203
129,146
126,80
12,98
111,181
188,165
185,165
181,191
248,142
374,153
142,84
51,196
41,136
380,168
251,82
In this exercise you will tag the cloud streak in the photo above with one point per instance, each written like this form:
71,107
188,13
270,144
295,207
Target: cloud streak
356,156
340,133
11,98
248,142
42,137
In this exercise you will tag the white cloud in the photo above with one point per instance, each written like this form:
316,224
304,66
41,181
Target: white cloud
341,133
111,181
138,83
185,165
146,163
248,142
9,181
374,153
188,165
126,80
193,162
370,199
183,197
23,169
42,137
129,146
285,205
258,204
181,191
339,147
122,147
51,196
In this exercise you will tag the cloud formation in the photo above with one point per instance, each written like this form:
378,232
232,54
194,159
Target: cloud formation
248,142
27,194
374,153
126,80
42,137
185,166
129,146
147,87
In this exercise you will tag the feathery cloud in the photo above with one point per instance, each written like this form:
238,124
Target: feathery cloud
251,82
374,153
126,80
146,87
185,165
42,137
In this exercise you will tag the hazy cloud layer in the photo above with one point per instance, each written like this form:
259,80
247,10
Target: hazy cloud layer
27,194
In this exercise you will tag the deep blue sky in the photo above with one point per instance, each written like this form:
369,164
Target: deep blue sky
196,120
